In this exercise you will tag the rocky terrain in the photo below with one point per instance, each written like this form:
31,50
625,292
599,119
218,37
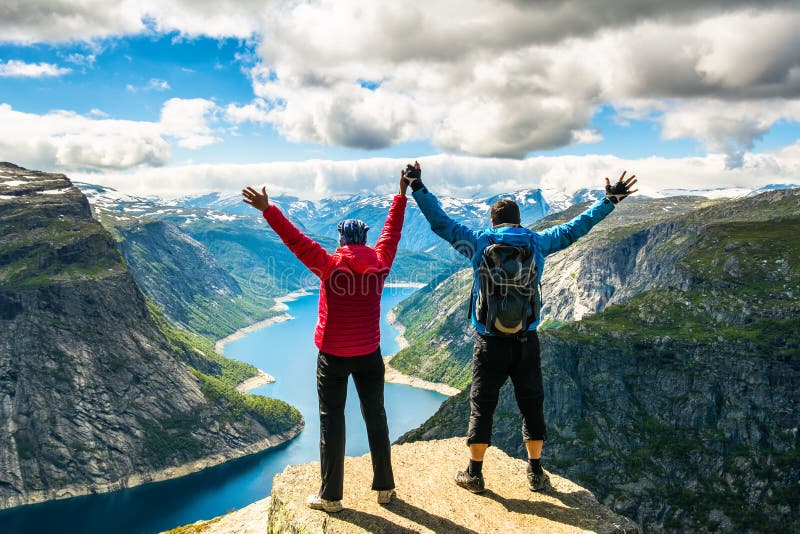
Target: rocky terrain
97,390
671,361
427,500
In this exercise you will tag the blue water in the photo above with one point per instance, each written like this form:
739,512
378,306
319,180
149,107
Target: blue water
286,351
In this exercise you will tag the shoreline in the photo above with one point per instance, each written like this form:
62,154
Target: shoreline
393,376
280,306
161,475
262,378
416,285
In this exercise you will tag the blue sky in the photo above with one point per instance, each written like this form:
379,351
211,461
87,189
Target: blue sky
255,85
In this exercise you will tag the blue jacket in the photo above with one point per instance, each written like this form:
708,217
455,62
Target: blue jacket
471,243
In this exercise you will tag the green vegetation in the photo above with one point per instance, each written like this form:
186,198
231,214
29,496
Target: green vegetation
172,441
276,415
196,528
57,252
199,352
437,325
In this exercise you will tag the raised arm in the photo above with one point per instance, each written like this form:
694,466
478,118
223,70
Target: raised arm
386,247
461,238
560,237
308,251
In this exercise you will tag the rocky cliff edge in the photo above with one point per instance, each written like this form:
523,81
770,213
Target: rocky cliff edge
427,500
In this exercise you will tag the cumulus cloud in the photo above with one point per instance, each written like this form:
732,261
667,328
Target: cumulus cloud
729,127
68,141
14,68
188,121
473,88
461,176
482,77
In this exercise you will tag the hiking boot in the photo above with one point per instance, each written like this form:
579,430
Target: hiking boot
315,502
467,481
385,496
538,481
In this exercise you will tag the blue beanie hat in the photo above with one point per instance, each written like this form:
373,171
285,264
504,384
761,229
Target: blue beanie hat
352,232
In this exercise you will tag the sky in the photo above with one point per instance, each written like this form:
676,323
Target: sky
329,97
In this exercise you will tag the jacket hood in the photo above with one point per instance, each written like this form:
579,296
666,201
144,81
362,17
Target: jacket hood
360,258
510,235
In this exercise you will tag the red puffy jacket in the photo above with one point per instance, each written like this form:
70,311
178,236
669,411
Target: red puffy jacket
351,282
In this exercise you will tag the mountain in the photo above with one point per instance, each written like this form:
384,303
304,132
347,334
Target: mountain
604,267
98,391
322,217
671,359
215,272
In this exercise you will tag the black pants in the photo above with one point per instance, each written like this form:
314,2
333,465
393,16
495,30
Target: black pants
493,360
332,374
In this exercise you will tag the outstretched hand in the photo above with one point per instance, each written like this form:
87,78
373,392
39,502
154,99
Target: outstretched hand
403,183
260,201
409,175
621,189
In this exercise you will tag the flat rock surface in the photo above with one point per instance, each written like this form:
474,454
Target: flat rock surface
429,501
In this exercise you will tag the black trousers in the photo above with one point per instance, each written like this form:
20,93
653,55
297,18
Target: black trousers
494,359
332,374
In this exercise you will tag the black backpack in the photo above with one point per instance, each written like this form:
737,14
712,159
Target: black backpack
509,298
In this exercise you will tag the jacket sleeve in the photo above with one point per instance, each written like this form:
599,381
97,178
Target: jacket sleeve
464,240
560,237
386,247
308,251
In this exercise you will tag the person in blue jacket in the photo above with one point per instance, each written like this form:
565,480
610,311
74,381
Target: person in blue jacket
496,358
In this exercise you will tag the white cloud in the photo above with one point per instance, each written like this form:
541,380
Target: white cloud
730,127
484,77
63,140
469,89
461,176
14,68
81,60
66,140
257,111
188,121
154,84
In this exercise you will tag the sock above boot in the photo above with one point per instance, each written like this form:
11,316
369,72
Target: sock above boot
475,468
535,465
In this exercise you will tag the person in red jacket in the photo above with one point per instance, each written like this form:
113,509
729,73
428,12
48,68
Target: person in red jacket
347,336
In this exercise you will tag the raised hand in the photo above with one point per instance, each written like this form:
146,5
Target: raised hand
260,201
403,182
413,172
621,189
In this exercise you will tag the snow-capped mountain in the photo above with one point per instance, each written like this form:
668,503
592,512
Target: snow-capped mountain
322,217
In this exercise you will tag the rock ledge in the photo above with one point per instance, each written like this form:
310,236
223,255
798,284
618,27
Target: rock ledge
428,500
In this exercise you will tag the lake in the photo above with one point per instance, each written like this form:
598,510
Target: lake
284,350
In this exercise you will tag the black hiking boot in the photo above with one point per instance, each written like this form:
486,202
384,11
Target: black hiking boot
538,481
472,483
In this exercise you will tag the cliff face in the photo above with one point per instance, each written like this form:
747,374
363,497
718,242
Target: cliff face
93,396
183,277
678,403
